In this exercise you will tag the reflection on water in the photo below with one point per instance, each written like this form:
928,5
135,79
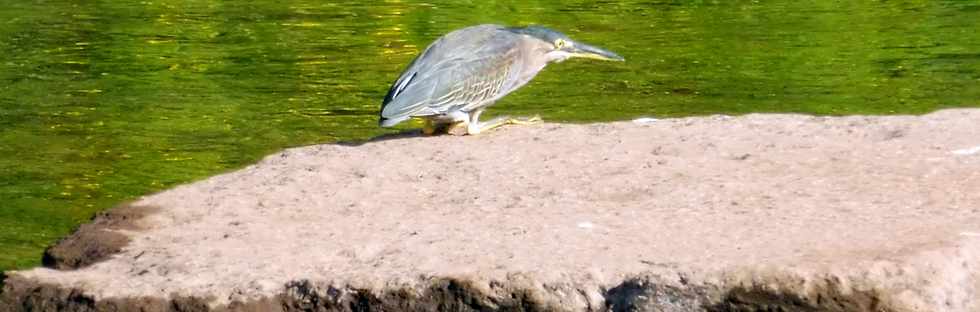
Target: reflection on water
103,101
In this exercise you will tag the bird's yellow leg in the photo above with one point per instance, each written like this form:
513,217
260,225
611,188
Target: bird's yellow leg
435,127
428,128
459,124
458,128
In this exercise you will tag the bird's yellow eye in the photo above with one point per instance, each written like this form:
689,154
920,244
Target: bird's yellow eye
559,43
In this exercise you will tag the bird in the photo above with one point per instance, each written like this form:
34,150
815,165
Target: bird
467,70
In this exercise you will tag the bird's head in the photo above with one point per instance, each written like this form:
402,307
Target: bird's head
561,47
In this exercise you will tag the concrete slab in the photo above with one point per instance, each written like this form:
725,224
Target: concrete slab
757,212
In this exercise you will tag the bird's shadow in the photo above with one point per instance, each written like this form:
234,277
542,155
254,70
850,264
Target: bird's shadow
404,134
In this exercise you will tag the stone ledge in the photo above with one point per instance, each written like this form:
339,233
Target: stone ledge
749,213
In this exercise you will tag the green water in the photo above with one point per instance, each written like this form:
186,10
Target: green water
103,101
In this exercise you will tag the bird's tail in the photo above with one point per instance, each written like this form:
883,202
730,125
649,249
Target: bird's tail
389,122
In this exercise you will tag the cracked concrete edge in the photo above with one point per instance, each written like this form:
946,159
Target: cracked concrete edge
435,294
745,290
944,278
98,239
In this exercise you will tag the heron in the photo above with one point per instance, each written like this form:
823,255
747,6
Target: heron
467,70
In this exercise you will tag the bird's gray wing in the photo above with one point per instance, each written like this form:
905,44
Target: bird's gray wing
473,82
453,73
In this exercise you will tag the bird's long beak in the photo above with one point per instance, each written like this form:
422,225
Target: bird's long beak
579,49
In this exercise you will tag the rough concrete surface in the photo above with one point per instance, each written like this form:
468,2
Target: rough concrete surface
750,213
97,240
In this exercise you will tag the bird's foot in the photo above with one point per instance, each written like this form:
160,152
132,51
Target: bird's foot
476,128
525,120
459,128
430,127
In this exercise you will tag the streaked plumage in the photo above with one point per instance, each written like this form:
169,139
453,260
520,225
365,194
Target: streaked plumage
460,74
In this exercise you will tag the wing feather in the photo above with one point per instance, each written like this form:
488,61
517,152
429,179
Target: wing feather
460,71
